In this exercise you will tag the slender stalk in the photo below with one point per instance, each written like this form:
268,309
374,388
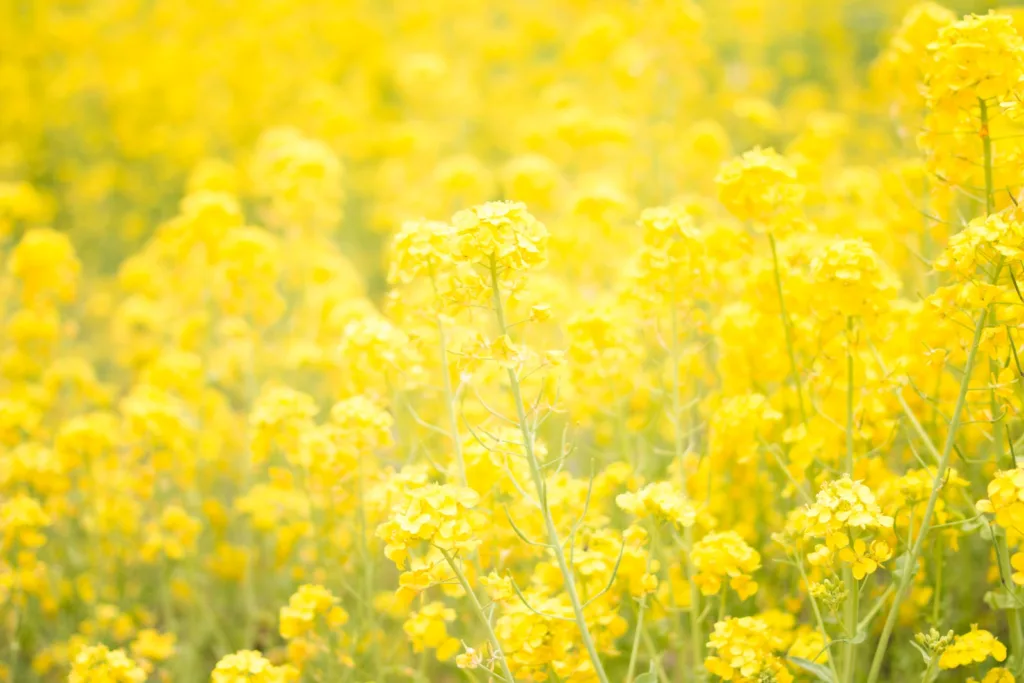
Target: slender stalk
817,616
696,632
453,420
926,521
652,652
538,481
449,400
369,581
929,673
986,151
1014,617
1016,633
851,609
636,640
787,328
852,597
937,597
481,615
849,395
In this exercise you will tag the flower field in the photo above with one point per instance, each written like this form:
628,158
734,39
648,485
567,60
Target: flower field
621,341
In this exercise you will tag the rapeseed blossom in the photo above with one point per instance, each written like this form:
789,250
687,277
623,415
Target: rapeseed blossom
582,342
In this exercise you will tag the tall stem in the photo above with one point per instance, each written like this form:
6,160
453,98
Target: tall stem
481,615
849,395
636,640
1014,617
926,521
787,329
696,631
986,151
449,400
1016,633
538,481
851,610
852,597
817,615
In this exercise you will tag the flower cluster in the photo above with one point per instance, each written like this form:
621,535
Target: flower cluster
521,341
721,555
847,517
976,645
744,651
661,500
441,515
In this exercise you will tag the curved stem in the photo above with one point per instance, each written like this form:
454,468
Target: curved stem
636,640
849,395
696,631
449,400
817,616
787,328
538,481
940,473
481,615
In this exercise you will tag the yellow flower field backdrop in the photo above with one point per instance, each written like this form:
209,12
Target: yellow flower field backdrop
645,341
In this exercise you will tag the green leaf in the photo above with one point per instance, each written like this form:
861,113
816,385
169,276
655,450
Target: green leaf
900,565
924,653
649,677
860,637
971,525
820,671
1000,599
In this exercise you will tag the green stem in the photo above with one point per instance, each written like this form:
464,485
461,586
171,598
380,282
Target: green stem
850,648
636,640
1014,618
696,632
538,481
449,400
849,395
481,615
369,580
817,616
986,150
929,673
926,521
652,652
937,597
787,329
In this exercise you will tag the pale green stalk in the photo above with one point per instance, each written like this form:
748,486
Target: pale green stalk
1015,617
538,481
449,395
787,329
696,632
481,615
947,450
1016,633
817,617
852,596
636,639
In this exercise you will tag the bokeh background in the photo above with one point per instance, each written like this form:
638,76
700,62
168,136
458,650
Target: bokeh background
110,105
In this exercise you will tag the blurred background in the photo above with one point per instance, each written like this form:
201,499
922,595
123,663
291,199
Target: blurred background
585,110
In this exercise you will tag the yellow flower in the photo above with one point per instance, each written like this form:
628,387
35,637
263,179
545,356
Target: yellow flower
248,666
725,554
971,647
661,500
504,232
858,558
760,186
97,664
